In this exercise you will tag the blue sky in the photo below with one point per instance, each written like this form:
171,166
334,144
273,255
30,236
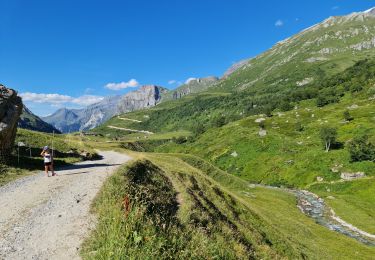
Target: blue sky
65,53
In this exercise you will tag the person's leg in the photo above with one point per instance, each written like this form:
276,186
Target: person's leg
46,169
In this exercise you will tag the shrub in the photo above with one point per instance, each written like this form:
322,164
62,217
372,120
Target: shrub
262,125
286,106
218,121
361,149
179,140
268,111
198,129
347,116
299,127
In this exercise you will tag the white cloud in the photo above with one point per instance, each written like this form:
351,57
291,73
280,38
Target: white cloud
171,82
45,98
189,80
279,23
57,99
133,83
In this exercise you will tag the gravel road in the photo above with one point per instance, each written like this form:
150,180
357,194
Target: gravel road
48,218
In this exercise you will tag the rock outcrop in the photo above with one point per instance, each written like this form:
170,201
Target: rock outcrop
10,111
194,86
145,97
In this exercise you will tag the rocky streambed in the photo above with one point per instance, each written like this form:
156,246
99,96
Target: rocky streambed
315,207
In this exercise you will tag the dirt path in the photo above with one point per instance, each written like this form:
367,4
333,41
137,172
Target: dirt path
130,130
128,119
48,218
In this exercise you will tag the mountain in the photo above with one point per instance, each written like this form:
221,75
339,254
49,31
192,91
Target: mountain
192,86
72,120
65,120
147,96
235,67
32,122
96,114
326,48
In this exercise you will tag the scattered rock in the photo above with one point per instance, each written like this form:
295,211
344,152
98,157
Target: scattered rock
319,179
352,107
331,198
259,120
262,132
234,154
352,175
289,162
336,168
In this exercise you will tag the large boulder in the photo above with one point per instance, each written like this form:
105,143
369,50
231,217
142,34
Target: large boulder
10,111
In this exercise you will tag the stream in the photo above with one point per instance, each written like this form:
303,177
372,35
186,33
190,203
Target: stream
313,206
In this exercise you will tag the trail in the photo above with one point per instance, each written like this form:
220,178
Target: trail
130,130
48,218
128,119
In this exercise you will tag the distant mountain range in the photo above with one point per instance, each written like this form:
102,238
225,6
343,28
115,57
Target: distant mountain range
321,50
32,122
73,120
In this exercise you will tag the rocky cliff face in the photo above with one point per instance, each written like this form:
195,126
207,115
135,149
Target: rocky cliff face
193,86
10,111
147,96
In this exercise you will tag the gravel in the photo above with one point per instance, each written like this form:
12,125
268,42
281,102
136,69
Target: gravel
48,218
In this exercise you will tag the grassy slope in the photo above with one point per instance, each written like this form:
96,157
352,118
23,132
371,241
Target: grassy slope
268,219
267,160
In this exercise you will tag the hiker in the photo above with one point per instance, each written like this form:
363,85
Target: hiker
48,160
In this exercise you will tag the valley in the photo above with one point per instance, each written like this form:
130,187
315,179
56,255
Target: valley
274,160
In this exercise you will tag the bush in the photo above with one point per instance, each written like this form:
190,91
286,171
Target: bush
262,125
286,106
198,129
361,149
325,99
218,121
179,140
299,127
347,116
268,111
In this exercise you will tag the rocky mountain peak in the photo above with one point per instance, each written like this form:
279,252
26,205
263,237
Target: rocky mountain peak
370,11
146,96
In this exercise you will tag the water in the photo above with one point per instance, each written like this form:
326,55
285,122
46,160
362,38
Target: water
313,206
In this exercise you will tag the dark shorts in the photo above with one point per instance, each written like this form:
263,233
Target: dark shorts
47,164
